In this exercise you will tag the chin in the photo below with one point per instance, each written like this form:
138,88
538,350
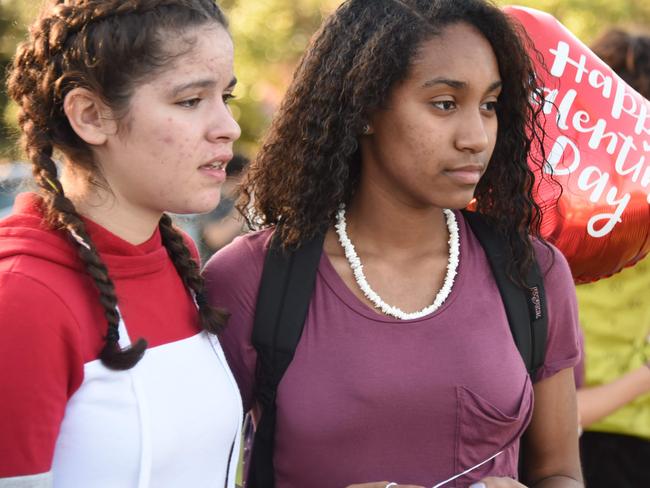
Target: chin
459,203
207,207
201,206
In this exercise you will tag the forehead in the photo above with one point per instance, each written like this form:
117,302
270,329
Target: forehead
198,51
459,52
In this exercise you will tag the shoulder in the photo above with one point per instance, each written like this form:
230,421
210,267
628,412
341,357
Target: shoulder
234,272
33,308
42,363
19,288
563,338
232,279
40,336
244,255
553,265
558,285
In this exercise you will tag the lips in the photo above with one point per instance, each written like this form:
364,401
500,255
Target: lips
215,169
466,175
217,163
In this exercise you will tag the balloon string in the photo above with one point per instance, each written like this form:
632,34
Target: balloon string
467,470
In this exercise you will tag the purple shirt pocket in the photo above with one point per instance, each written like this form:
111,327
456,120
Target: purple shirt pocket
483,430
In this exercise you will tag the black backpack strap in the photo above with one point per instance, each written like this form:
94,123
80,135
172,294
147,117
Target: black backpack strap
284,295
525,308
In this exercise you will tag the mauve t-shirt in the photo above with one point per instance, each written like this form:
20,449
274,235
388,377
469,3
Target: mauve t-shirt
368,397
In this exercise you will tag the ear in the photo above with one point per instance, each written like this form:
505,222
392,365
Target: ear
89,117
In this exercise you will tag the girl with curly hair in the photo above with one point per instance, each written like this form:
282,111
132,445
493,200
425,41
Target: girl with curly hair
400,113
130,97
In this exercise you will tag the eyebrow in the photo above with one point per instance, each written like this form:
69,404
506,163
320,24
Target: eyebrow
205,83
457,84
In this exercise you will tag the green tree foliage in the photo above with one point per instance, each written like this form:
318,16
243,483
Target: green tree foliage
14,17
270,35
588,18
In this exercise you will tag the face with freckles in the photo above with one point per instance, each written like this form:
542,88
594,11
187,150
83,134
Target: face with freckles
433,141
176,138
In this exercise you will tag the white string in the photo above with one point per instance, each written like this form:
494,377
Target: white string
467,470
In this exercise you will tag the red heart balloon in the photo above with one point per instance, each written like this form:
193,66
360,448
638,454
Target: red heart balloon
598,148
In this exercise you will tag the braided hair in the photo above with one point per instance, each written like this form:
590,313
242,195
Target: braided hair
78,43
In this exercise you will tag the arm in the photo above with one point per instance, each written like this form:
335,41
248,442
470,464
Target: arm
597,402
232,278
551,441
41,365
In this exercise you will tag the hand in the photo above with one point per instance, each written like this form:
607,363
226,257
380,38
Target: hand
493,482
382,484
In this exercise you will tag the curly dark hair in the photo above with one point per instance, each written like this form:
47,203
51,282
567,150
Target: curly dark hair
309,162
628,55
79,43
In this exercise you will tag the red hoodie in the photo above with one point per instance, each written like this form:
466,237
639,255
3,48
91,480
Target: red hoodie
52,323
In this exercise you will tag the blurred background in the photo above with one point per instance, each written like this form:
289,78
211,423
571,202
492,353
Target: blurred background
270,36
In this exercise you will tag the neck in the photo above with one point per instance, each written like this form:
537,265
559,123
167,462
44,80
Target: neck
381,222
110,210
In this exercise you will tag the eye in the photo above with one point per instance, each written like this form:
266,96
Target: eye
444,105
490,106
228,97
189,103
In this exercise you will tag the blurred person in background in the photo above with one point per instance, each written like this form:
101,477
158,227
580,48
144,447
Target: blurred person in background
614,381
213,230
224,223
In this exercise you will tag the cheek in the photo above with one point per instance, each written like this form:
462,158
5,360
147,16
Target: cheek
174,146
493,134
170,129
168,132
168,139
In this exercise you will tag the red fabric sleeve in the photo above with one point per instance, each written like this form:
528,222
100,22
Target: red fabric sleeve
41,366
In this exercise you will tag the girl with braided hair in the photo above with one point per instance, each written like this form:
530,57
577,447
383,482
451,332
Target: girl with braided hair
124,116
402,111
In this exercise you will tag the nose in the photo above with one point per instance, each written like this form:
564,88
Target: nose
223,126
475,131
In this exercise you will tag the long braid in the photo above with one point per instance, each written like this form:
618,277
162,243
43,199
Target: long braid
211,319
74,44
61,213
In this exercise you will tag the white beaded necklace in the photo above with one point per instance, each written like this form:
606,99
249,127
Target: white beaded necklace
357,269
